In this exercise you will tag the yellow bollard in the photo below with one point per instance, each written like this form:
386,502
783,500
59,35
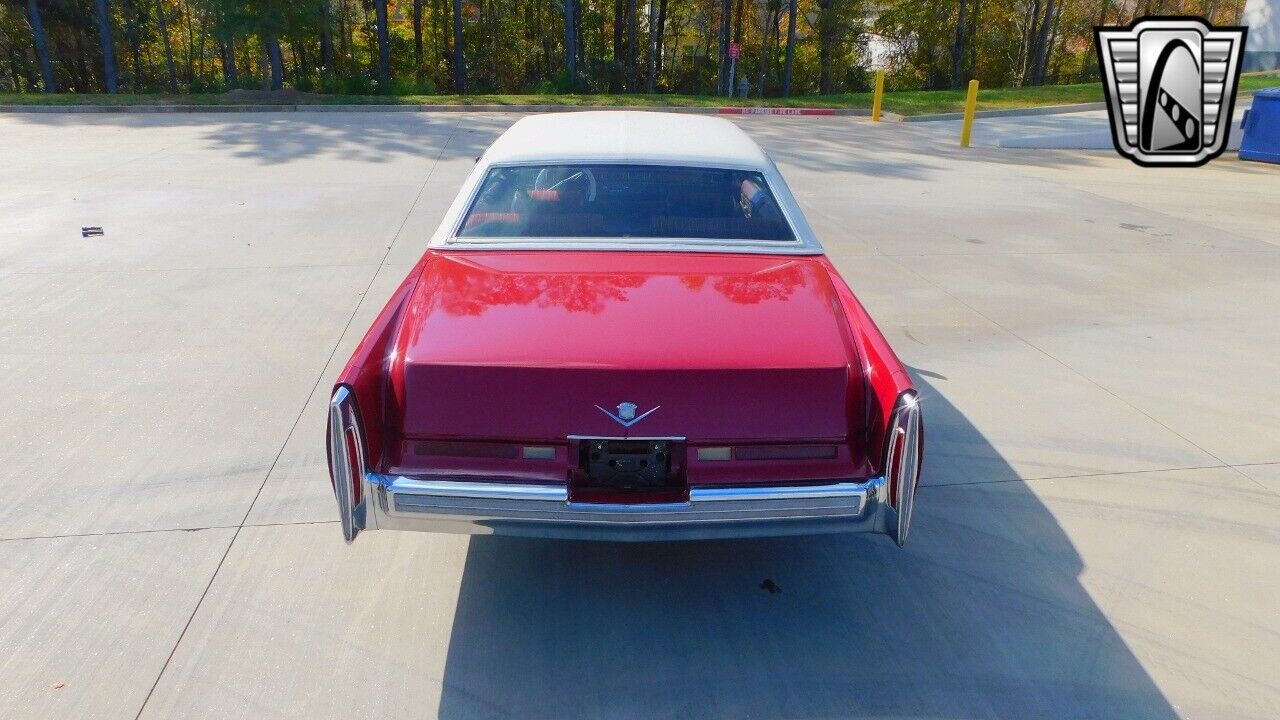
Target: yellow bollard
878,98
970,105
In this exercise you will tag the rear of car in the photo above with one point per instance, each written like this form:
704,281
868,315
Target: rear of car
620,345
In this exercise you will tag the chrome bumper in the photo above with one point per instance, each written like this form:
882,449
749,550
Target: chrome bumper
403,503
373,501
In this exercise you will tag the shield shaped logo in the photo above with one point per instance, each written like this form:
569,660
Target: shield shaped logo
1170,85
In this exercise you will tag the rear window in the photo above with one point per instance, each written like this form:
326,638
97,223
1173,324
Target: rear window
624,201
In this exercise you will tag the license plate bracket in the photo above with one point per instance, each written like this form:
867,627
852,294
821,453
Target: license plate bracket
627,469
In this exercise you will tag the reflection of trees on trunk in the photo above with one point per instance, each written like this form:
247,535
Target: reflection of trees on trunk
757,288
468,290
752,288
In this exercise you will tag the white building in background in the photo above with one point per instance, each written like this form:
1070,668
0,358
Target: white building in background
879,52
1262,49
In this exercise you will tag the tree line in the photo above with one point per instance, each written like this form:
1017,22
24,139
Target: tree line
785,47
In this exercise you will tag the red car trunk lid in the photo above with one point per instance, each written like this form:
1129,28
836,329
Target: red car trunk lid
543,345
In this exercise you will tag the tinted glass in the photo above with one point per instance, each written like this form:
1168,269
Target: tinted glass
624,201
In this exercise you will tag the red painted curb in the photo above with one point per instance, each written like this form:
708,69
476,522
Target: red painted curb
775,111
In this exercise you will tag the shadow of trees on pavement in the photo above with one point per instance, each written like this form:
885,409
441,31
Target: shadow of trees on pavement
282,137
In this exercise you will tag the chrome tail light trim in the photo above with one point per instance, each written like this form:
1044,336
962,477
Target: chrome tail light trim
903,475
347,472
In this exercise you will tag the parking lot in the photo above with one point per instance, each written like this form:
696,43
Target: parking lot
1098,536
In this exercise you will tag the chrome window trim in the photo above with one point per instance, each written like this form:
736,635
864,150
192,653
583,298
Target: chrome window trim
805,242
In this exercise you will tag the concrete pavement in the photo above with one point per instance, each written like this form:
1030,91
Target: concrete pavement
1096,344
1089,130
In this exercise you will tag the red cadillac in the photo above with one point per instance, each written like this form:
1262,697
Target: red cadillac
624,329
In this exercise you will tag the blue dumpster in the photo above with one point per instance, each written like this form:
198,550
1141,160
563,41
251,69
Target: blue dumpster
1261,139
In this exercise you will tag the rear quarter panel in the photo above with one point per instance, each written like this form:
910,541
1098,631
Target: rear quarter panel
371,368
883,374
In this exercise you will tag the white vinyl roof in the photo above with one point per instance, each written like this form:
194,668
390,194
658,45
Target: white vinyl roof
627,136
621,136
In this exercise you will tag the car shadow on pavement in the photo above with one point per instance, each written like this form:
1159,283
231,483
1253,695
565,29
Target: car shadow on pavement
981,615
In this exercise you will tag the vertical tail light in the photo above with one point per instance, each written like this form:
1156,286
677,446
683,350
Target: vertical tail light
346,461
902,462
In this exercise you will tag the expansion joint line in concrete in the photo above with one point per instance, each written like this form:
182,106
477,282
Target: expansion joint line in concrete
315,386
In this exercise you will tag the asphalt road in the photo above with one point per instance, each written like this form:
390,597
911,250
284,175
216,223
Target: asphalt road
1098,536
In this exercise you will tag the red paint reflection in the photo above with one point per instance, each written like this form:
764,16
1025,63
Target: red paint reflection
465,289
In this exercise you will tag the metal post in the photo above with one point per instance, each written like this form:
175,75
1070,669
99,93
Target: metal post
878,98
970,105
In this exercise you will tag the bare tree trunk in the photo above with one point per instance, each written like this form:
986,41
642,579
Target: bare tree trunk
1040,62
459,70
633,70
417,39
384,46
131,34
228,53
275,61
191,41
791,48
971,63
1054,41
653,44
957,50
579,44
442,20
1032,32
826,31
543,63
326,37
103,11
570,43
435,33
42,47
1038,49
726,21
764,47
662,32
344,35
619,27
168,47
